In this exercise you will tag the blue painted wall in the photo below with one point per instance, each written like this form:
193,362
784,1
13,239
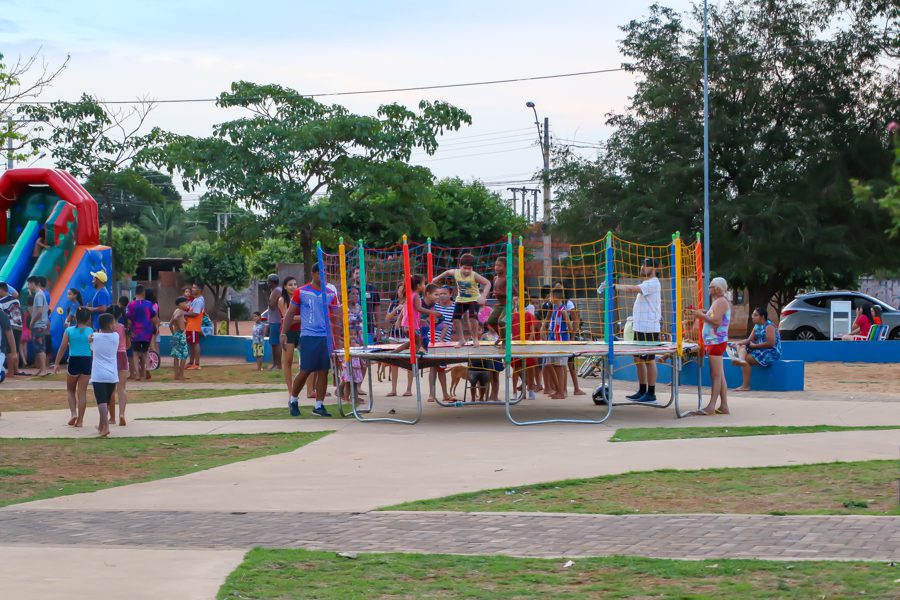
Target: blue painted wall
217,345
783,376
827,351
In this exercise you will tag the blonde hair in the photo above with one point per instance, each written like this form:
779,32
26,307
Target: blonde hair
720,283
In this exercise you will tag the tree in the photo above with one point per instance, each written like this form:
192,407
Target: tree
129,247
797,97
22,81
272,252
132,193
218,266
101,145
166,228
290,148
884,193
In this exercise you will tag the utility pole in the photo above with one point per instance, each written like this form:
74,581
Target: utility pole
705,160
548,259
514,191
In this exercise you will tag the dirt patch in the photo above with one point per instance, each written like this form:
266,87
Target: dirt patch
851,377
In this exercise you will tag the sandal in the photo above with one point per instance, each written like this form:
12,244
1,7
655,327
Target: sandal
721,412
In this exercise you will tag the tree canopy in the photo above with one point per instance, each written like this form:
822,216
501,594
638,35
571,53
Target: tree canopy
798,102
129,246
216,265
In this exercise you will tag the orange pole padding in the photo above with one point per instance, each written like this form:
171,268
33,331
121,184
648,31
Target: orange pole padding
409,303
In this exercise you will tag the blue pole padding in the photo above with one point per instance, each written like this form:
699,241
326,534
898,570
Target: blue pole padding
321,262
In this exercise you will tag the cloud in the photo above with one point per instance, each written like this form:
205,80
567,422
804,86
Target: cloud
7,26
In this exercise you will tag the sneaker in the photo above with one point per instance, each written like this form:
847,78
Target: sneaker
321,411
295,408
531,394
636,395
646,398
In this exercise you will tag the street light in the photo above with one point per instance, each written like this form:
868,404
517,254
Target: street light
544,140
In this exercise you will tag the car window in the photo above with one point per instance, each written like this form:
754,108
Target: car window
859,302
819,301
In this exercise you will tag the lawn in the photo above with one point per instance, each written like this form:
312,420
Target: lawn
642,434
256,414
33,469
269,574
859,488
15,400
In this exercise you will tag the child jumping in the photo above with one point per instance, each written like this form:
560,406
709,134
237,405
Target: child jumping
104,370
468,298
179,338
419,324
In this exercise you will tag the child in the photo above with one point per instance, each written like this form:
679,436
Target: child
122,366
468,298
75,302
104,370
129,351
179,339
76,339
524,369
258,341
423,309
495,320
353,370
559,326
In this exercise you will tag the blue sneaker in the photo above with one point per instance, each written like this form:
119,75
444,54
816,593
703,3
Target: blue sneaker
321,411
295,408
646,398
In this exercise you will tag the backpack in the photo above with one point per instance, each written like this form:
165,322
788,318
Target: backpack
13,310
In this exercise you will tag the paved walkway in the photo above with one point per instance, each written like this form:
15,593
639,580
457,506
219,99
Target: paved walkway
517,534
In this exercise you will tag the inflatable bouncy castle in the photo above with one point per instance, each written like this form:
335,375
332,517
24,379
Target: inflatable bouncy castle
49,206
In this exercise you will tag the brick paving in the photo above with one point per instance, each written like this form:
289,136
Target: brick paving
519,534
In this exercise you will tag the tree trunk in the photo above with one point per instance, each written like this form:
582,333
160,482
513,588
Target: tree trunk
758,295
306,247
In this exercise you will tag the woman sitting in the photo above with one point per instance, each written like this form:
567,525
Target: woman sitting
761,349
862,324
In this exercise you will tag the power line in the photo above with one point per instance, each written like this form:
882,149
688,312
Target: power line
475,154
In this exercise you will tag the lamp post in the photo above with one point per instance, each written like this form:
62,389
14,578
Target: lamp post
544,140
705,158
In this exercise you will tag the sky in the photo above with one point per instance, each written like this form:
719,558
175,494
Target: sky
196,48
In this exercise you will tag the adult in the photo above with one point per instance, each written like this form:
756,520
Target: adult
761,349
39,325
318,309
862,324
101,300
715,340
273,284
373,301
143,321
150,296
291,330
193,323
575,320
11,307
646,316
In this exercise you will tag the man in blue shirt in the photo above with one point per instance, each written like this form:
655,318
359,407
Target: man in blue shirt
102,299
318,319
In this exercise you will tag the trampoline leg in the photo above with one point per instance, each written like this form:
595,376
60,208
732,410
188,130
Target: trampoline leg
360,418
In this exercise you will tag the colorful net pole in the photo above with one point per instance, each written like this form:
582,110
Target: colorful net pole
363,293
521,289
509,295
407,275
700,289
610,293
345,307
320,259
429,261
678,321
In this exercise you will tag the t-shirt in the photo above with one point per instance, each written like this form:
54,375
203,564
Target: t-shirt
467,287
445,328
558,330
39,308
12,309
314,322
4,327
79,340
259,332
141,314
647,311
198,306
864,324
530,326
101,298
104,368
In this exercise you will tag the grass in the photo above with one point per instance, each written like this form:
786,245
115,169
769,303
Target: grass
34,469
641,434
270,574
256,414
859,488
238,373
18,400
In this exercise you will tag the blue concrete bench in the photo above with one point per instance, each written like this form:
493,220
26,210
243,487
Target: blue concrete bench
218,345
783,376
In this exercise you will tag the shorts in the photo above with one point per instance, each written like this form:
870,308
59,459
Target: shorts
425,335
716,349
121,361
258,349
17,335
179,345
314,354
140,347
103,392
465,308
293,338
646,336
479,377
561,361
493,319
79,365
274,334
39,339
192,337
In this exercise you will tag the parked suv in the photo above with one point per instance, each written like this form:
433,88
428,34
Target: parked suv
807,316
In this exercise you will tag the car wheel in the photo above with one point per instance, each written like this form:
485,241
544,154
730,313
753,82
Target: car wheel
806,334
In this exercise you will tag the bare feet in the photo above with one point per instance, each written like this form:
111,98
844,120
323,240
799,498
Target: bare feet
738,362
475,342
461,343
406,394
103,434
449,399
431,399
390,394
557,397
78,423
72,421
121,421
579,392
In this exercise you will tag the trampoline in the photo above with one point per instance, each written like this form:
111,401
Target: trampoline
595,268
